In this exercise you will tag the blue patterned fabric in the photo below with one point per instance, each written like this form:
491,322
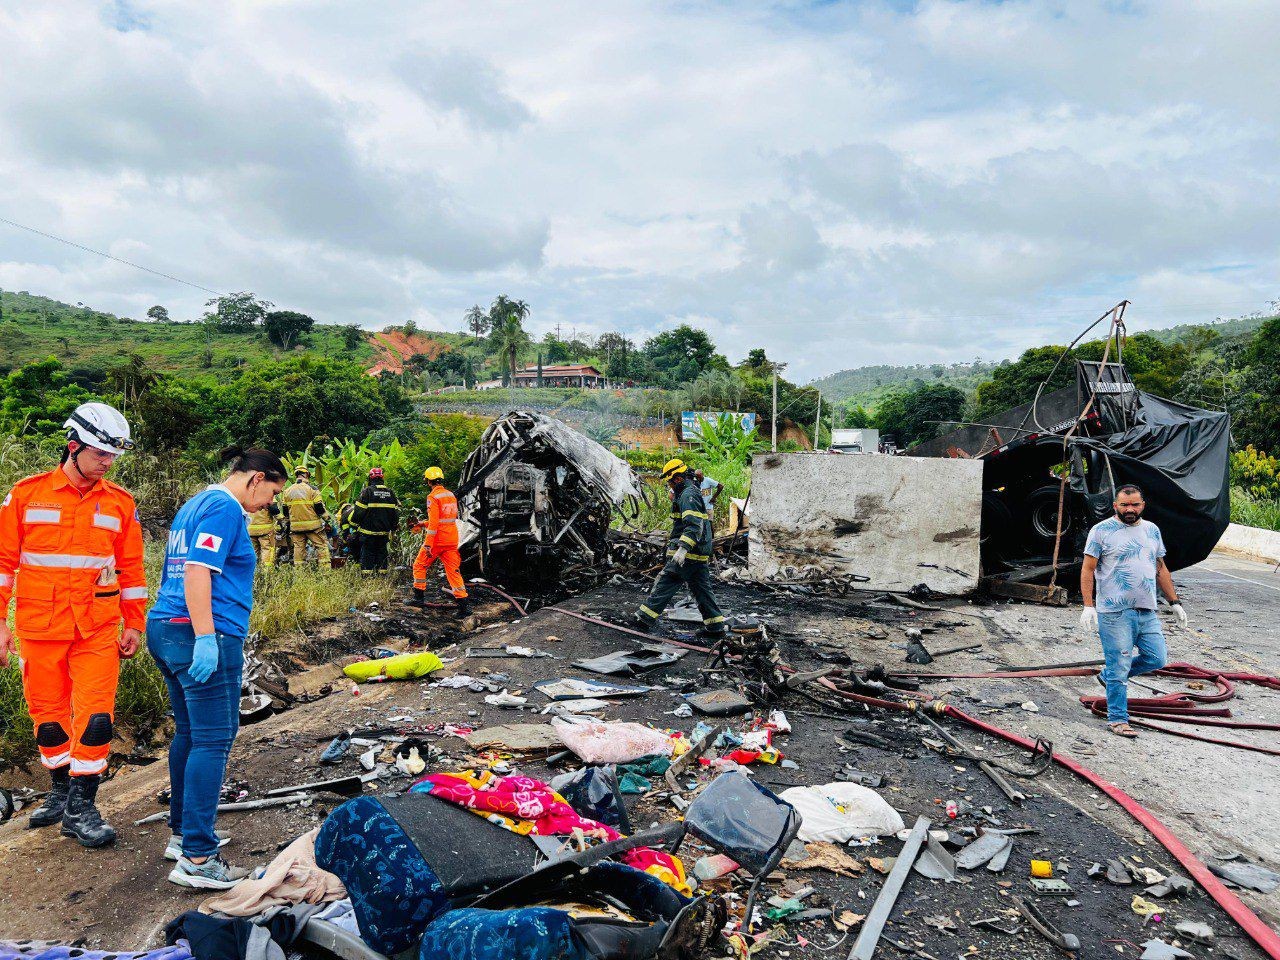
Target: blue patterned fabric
394,892
1127,558
534,933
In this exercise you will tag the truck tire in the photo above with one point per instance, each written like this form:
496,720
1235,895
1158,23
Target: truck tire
999,543
1041,515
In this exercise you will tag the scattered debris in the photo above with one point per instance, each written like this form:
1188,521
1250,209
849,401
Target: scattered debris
573,688
1159,950
826,856
632,662
1195,930
837,812
983,850
617,742
873,926
1251,876
1063,941
720,703
406,666
935,863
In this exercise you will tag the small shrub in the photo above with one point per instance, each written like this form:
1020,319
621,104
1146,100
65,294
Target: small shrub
1256,473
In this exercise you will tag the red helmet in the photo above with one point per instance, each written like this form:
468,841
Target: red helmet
375,473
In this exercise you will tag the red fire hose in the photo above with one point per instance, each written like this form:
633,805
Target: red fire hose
1259,932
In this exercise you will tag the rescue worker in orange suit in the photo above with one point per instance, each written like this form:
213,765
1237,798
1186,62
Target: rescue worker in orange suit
306,512
262,531
71,555
440,542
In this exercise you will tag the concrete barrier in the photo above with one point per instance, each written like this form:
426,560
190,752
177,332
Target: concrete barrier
1254,543
899,521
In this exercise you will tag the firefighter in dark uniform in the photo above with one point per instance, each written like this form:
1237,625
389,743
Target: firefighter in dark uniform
689,556
375,518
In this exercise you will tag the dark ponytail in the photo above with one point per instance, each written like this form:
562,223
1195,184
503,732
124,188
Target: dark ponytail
254,460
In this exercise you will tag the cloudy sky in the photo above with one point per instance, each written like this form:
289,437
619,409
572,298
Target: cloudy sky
843,183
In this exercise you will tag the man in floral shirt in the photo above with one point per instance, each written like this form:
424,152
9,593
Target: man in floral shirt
1124,559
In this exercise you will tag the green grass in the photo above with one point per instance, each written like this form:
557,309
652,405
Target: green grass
285,601
1252,512
88,341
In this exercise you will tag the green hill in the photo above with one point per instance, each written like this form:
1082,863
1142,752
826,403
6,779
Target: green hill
87,342
868,385
1223,328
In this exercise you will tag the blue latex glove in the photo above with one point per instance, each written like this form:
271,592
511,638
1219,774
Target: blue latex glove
205,660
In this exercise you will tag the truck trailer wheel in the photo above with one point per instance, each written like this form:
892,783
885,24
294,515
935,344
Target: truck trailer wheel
999,542
1041,512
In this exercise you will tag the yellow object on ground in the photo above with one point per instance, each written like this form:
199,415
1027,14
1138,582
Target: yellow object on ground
407,666
1041,868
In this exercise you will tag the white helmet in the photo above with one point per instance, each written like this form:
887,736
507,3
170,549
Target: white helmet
100,426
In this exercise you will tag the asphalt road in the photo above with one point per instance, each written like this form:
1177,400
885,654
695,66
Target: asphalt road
1215,798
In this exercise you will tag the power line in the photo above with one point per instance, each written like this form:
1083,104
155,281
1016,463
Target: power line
127,263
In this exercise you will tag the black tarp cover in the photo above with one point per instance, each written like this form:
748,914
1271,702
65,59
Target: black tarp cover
1179,456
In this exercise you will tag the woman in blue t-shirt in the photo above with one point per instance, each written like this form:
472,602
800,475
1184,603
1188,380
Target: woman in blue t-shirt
196,633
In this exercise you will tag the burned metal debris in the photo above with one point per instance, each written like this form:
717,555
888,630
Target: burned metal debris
537,488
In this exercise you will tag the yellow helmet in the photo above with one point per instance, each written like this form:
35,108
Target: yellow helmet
673,468
433,473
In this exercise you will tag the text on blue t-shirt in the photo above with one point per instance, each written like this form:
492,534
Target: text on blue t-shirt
210,531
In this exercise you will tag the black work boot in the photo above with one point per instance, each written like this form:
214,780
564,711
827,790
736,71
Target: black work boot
55,802
419,598
462,607
643,624
82,821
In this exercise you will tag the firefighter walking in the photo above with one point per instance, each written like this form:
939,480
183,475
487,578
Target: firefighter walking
71,556
262,532
306,512
689,551
440,542
375,517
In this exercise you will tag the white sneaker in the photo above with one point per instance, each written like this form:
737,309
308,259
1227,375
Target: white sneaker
173,851
214,874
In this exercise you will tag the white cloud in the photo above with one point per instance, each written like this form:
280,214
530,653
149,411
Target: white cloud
839,183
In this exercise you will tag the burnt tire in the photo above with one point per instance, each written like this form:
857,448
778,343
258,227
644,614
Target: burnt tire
999,534
1040,512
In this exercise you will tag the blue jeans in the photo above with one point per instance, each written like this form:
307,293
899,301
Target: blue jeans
207,717
1132,644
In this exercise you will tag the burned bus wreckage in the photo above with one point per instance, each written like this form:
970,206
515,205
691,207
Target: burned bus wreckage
537,499
1075,447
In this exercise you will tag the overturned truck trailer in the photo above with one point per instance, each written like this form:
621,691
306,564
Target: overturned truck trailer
1107,433
536,489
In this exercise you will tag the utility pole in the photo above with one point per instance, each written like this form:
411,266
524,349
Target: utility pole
774,417
817,422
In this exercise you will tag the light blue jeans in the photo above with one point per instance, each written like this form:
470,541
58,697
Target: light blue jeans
1132,644
206,717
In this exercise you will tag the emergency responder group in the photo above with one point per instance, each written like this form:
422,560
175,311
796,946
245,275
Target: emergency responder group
71,557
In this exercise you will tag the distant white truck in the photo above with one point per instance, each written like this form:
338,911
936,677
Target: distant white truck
849,440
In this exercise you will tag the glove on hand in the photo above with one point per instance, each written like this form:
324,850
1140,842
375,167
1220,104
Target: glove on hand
205,660
1089,618
679,556
1180,613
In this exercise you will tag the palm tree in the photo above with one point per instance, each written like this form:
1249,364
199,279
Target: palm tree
510,337
477,320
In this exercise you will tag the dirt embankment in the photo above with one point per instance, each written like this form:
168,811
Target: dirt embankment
394,347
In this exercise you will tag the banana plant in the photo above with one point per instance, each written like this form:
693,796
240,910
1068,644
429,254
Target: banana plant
342,467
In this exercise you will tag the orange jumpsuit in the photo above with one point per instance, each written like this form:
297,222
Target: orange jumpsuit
74,564
441,542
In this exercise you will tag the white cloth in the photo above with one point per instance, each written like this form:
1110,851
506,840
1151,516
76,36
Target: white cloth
838,812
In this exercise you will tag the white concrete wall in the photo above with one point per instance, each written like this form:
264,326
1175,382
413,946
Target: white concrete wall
898,520
1252,542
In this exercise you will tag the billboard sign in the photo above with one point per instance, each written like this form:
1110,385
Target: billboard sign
691,421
